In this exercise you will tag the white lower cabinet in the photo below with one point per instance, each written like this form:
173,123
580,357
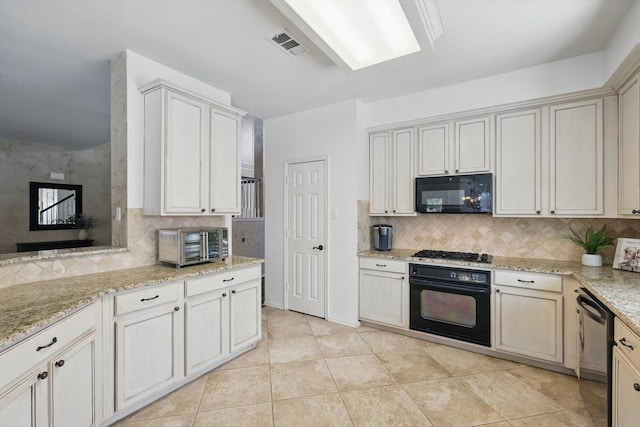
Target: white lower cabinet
221,321
625,374
147,351
384,291
529,315
61,384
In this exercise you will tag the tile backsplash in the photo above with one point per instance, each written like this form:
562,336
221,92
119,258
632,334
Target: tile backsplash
541,238
143,250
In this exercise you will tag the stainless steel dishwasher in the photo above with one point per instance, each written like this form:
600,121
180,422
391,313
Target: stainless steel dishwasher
595,340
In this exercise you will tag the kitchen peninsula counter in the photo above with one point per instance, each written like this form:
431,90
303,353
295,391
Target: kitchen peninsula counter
619,290
26,308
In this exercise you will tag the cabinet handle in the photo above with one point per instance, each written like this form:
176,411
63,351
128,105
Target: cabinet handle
233,291
53,341
176,309
537,212
43,375
635,211
381,265
149,299
203,210
319,247
224,295
623,341
636,386
60,363
228,280
526,281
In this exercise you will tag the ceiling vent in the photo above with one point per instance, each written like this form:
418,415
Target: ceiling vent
286,42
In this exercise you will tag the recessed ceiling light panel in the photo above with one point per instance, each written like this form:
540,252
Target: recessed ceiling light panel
358,33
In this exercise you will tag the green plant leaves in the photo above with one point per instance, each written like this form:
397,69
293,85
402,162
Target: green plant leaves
594,242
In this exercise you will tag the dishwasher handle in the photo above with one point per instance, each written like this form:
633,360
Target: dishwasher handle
592,310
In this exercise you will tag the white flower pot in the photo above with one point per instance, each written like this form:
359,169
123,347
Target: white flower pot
592,260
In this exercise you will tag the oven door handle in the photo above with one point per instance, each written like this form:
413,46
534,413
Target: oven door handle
592,310
475,289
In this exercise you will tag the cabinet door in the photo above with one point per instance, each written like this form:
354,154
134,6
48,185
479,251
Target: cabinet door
224,175
518,163
25,403
383,297
576,158
378,173
403,178
529,322
245,317
473,145
206,330
146,354
433,150
629,174
73,385
626,392
186,148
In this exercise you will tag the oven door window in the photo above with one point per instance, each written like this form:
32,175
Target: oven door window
449,308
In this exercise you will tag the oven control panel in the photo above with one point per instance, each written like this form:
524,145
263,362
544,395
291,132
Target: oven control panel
453,275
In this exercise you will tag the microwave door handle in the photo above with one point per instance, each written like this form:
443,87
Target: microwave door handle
204,246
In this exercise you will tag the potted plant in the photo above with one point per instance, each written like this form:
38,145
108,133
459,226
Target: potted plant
82,223
593,243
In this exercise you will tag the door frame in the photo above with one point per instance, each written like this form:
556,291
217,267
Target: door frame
287,163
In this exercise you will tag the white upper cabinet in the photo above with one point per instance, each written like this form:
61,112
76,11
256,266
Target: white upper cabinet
433,150
468,152
518,169
191,156
576,157
629,154
472,145
392,173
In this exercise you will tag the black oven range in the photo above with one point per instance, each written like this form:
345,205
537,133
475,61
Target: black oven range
451,302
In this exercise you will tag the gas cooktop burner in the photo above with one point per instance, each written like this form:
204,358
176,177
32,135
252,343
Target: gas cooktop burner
461,256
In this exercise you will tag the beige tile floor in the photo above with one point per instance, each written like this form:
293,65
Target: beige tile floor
310,372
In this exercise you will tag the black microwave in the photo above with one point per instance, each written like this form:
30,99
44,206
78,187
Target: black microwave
454,194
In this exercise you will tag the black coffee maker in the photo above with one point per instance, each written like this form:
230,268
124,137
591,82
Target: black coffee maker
382,237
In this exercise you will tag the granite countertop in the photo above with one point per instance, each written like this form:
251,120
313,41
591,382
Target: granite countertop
26,308
619,290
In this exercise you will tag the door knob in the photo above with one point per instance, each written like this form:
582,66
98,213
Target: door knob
319,247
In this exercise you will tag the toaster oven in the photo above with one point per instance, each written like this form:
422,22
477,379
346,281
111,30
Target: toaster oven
187,246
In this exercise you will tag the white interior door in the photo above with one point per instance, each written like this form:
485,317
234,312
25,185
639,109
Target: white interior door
305,235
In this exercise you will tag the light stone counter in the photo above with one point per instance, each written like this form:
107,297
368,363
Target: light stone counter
12,258
619,290
26,308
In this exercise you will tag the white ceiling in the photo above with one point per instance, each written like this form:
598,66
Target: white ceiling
54,55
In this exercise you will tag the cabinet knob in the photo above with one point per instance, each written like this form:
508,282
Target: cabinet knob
203,210
176,309
497,290
43,375
60,363
233,291
537,212
224,295
213,210
394,211
636,386
552,212
446,171
386,211
457,170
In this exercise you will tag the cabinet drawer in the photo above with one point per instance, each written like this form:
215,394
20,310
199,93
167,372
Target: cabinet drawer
43,345
384,264
224,279
151,296
543,282
627,342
